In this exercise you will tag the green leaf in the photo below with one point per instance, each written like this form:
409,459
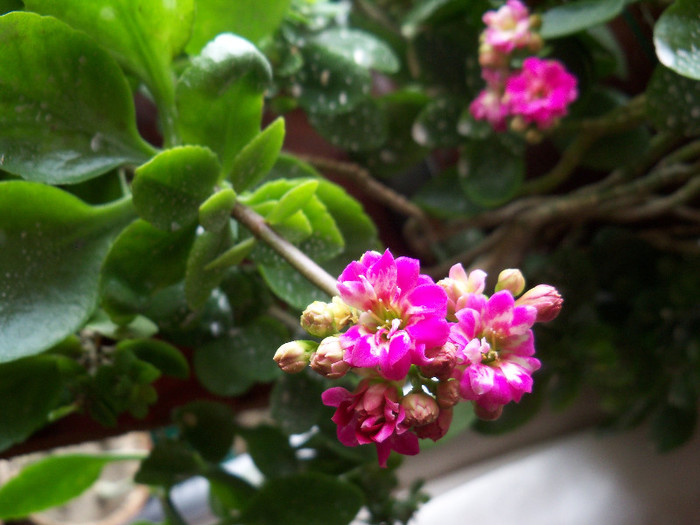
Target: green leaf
490,173
673,102
143,36
169,189
576,16
234,255
231,364
215,212
53,245
295,500
220,96
228,492
363,48
270,450
242,17
200,279
436,124
258,156
169,463
362,128
70,475
329,82
292,202
29,390
295,402
140,326
676,38
142,261
165,357
439,198
66,111
208,427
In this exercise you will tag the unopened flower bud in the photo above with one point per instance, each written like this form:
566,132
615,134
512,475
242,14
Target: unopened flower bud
518,124
437,428
488,413
536,43
491,58
442,361
545,299
343,315
511,279
318,319
448,393
328,359
421,409
293,357
535,21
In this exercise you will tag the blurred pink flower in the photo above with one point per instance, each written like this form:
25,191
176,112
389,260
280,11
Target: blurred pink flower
541,92
508,28
372,414
402,314
490,106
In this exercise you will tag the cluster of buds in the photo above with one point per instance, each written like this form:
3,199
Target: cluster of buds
536,94
420,348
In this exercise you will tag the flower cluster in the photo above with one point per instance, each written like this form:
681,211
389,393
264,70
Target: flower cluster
419,347
537,93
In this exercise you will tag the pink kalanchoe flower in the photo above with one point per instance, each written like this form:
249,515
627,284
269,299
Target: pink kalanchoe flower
372,414
402,314
541,92
495,344
490,106
459,286
508,28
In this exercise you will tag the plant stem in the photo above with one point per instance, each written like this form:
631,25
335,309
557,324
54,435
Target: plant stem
298,259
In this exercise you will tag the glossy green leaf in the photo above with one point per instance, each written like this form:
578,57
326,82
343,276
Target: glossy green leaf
361,47
329,82
294,403
228,492
231,364
142,261
439,198
53,245
290,286
673,102
292,202
164,356
144,35
70,475
200,279
215,212
576,16
270,449
208,427
436,124
66,112
676,36
490,173
362,128
234,255
29,390
295,500
242,17
220,97
139,327
169,462
257,157
169,189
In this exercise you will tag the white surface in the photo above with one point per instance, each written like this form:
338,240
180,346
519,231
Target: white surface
582,479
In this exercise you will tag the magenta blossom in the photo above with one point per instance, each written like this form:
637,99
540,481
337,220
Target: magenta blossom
372,414
402,314
541,92
495,347
490,106
508,28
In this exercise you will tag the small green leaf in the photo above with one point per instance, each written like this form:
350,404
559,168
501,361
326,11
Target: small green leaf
258,156
169,189
361,47
292,202
165,357
270,450
215,212
200,279
208,427
363,127
169,463
53,246
228,492
676,38
140,326
295,402
576,16
70,475
220,97
231,364
29,390
66,110
490,173
436,124
295,500
233,255
439,198
242,17
142,261
673,102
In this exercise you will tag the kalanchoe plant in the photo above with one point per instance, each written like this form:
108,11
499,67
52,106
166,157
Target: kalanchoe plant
160,233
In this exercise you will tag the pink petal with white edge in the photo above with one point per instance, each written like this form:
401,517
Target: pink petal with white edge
481,378
517,377
469,321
